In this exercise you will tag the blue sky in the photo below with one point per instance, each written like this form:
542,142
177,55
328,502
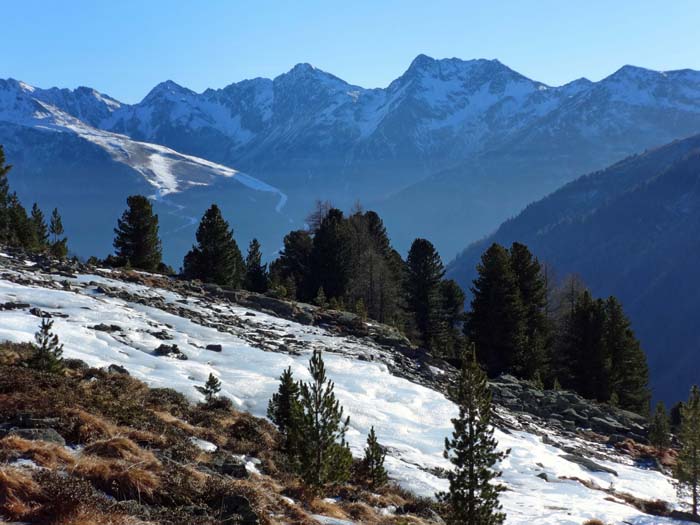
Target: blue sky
124,48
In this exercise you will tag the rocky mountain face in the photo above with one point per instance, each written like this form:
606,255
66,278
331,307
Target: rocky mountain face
629,231
468,143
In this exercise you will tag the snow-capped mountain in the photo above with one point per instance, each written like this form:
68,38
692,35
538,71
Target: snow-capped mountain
467,142
33,121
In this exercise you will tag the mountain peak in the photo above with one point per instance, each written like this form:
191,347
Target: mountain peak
167,89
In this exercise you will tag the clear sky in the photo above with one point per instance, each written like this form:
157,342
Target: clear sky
125,47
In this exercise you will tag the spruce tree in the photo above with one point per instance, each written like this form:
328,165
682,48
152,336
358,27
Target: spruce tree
283,407
533,296
324,455
473,494
48,351
4,199
40,229
659,428
211,388
373,462
216,258
295,263
256,278
451,315
330,257
59,244
424,271
687,469
21,230
136,241
497,323
629,373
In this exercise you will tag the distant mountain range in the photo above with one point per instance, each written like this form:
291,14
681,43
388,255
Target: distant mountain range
447,151
631,230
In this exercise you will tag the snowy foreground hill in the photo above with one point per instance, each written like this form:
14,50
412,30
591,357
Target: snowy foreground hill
105,320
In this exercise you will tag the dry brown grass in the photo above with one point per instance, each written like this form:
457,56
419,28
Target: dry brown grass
594,521
19,493
119,478
332,510
121,448
49,455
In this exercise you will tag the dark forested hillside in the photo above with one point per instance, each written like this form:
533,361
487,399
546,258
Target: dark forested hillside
630,231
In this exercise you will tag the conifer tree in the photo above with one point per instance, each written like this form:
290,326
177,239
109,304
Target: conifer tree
424,272
497,321
21,230
295,263
330,257
474,492
373,462
40,229
324,455
687,469
659,428
283,407
59,244
256,279
4,198
211,388
136,241
48,351
629,373
216,258
533,296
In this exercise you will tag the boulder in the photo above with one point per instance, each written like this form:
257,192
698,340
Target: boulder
214,348
170,351
588,464
39,434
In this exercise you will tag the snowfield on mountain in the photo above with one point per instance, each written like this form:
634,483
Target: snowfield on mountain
411,420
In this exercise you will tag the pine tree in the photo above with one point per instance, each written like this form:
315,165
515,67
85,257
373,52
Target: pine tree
4,199
21,230
451,315
473,495
256,278
136,240
330,257
211,388
629,373
59,244
373,462
423,276
283,407
294,263
40,229
324,455
216,258
533,296
497,323
659,428
48,351
687,470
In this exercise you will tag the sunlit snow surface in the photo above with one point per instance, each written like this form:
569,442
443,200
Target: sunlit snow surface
411,420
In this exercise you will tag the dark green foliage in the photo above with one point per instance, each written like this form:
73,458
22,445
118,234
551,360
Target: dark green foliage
216,257
659,428
451,317
283,408
5,226
331,256
424,272
629,374
373,462
473,495
40,229
324,456
293,267
59,244
497,322
531,282
687,469
256,279
211,388
21,230
48,351
136,241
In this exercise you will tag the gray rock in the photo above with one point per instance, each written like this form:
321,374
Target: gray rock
38,434
117,369
214,348
588,464
170,351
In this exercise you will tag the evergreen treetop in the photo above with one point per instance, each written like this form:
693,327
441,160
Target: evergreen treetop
216,258
256,279
210,389
48,351
687,469
659,428
136,235
373,462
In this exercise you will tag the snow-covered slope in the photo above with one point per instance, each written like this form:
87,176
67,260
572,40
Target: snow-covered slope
411,420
